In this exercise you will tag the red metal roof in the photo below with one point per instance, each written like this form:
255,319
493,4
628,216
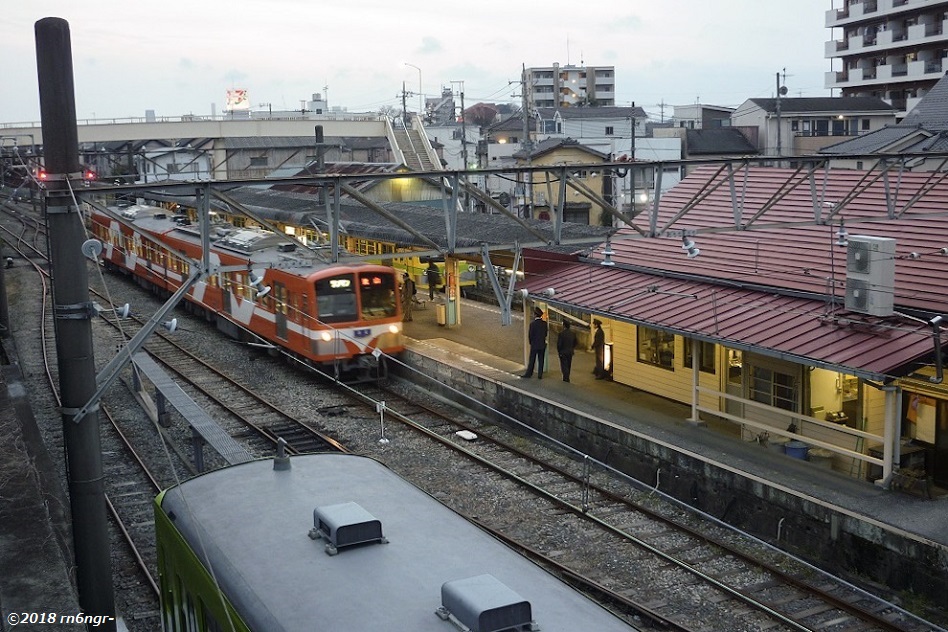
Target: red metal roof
766,289
796,328
803,258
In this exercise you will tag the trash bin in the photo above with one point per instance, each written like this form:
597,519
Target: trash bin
797,450
441,313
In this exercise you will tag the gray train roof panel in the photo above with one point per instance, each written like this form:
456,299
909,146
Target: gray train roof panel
254,523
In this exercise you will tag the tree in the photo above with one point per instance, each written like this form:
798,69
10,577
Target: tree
481,114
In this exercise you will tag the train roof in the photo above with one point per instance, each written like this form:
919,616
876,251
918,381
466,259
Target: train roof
264,248
250,522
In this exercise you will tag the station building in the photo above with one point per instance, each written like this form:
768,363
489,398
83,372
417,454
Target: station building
815,326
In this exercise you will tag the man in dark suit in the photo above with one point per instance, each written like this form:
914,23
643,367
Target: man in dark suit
536,335
565,347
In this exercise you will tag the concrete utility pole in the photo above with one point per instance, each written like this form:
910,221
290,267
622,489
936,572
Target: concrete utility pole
467,195
781,90
73,315
527,143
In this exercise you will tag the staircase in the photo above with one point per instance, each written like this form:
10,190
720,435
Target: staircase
413,147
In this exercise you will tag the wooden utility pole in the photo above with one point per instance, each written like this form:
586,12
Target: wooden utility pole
73,313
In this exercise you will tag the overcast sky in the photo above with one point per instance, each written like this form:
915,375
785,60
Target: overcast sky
180,57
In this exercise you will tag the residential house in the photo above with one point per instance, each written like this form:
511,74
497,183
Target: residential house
802,125
923,131
542,193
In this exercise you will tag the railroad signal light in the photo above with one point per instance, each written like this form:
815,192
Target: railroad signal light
89,175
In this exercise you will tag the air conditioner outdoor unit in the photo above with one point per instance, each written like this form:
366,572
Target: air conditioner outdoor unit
870,275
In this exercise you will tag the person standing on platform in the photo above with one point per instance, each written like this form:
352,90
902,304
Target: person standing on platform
536,336
434,278
565,347
408,297
599,347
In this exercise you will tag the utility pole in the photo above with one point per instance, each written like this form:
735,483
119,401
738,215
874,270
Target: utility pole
781,90
527,143
404,105
73,313
463,128
464,158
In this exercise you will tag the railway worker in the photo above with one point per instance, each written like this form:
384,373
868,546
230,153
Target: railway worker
565,347
537,338
599,346
434,278
408,297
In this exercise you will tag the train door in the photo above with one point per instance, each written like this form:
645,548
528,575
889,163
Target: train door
280,309
227,284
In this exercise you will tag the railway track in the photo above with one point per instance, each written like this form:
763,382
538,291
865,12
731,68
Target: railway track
611,536
243,413
733,573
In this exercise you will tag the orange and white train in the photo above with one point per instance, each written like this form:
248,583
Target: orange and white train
339,317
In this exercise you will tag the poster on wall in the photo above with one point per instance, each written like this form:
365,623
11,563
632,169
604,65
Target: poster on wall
921,412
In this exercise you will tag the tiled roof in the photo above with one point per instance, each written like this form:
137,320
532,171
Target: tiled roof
825,104
879,140
719,141
552,144
931,112
473,229
593,112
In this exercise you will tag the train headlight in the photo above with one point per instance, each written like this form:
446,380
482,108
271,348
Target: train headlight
326,336
393,329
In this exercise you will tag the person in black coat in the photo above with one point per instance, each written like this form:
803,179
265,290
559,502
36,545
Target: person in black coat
599,346
565,347
433,276
536,335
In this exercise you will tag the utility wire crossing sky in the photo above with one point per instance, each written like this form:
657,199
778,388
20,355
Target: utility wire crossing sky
177,57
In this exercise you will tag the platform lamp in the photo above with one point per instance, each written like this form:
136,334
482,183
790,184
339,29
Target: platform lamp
607,253
689,246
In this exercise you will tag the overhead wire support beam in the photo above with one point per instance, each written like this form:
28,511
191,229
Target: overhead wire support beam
654,231
486,199
357,195
609,208
110,372
223,197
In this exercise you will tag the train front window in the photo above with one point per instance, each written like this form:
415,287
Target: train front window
378,295
336,299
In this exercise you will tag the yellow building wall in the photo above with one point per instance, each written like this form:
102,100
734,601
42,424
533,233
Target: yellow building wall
674,384
549,185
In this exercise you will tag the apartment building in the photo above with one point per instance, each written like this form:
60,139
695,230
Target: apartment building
568,86
891,49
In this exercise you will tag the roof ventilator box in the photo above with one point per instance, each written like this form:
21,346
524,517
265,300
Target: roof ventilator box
345,524
870,275
484,604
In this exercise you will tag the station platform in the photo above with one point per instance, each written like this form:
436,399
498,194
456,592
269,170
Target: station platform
481,346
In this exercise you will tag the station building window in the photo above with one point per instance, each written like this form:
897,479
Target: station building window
773,388
706,359
656,347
